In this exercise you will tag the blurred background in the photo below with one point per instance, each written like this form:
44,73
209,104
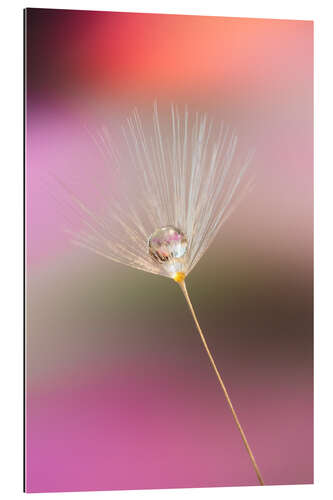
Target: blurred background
119,391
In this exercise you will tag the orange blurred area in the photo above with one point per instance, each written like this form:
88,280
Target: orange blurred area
153,53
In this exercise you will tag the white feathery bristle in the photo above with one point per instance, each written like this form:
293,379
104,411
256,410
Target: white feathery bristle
182,174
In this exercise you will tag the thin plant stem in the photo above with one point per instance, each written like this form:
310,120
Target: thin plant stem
247,446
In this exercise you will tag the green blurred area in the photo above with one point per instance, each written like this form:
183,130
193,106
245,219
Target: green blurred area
93,310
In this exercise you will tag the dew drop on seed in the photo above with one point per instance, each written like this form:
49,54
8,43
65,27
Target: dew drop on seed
167,243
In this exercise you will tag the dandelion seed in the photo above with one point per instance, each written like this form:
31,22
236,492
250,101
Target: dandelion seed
185,182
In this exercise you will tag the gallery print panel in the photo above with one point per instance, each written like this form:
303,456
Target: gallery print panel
169,255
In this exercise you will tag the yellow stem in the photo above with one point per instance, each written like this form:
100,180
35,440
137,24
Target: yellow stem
182,285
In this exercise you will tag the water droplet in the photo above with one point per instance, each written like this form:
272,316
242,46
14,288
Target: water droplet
167,243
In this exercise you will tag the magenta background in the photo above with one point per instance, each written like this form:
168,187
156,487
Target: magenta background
120,394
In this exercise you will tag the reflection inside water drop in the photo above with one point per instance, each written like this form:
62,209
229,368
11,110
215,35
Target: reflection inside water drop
167,243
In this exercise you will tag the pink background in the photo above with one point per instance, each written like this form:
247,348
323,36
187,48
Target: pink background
120,394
